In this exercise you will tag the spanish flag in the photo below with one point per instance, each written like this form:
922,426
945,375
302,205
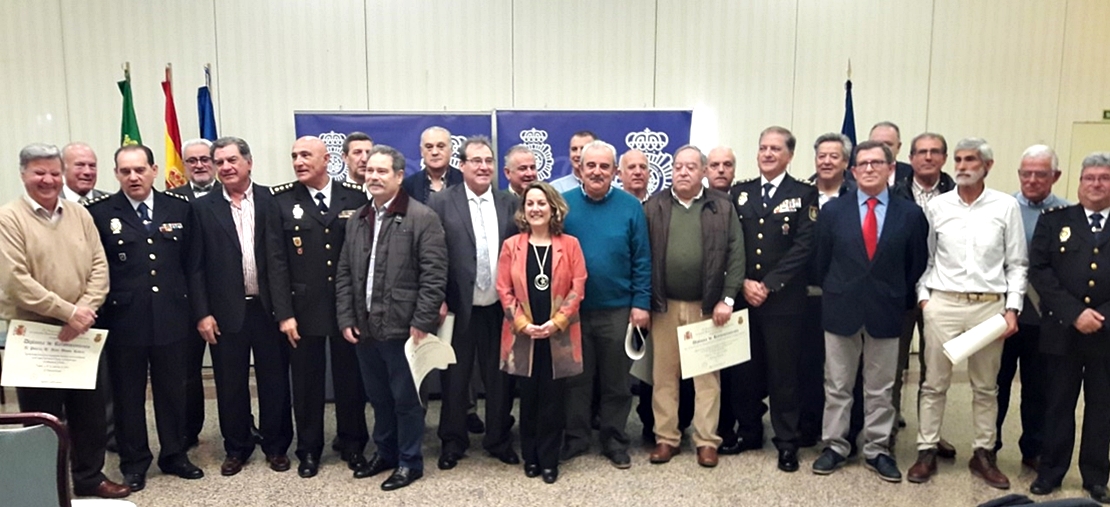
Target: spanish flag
175,167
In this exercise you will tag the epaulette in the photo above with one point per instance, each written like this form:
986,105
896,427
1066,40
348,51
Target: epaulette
351,185
1054,208
749,180
90,202
280,189
809,182
177,195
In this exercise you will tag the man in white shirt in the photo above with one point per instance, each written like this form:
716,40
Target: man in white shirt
977,269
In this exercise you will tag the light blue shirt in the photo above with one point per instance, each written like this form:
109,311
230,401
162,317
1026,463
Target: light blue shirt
1030,211
880,209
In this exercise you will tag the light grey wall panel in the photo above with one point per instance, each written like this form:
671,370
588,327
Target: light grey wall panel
1084,81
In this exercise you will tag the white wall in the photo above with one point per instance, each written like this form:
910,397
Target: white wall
1015,72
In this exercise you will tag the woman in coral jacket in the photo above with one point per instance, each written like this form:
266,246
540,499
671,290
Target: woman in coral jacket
541,279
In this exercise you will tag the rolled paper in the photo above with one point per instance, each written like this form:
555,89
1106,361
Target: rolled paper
972,341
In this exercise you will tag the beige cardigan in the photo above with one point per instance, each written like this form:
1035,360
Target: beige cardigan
47,269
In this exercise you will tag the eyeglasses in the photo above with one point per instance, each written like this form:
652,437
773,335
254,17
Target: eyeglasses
1090,178
480,161
874,164
936,152
1039,175
202,160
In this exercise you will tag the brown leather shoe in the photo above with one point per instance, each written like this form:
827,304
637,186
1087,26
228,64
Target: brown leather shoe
984,466
924,468
663,453
278,462
231,466
946,450
106,489
707,456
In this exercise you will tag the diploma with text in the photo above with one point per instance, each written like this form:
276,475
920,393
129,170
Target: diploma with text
35,357
706,348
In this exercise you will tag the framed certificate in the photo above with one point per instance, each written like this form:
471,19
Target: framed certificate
705,348
35,357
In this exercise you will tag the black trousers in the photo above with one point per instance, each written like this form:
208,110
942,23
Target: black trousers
811,373
911,319
308,364
481,339
128,366
1069,372
231,357
350,397
83,412
776,346
1024,347
542,410
193,360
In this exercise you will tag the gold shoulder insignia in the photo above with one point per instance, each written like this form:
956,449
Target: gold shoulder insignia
280,189
177,195
102,198
351,185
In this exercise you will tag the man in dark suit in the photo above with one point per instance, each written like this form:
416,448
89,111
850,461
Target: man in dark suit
1067,263
381,308
198,168
241,294
153,257
777,213
477,219
437,174
871,249
314,212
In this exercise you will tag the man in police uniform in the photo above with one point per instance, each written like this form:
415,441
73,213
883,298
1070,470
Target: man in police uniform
314,213
777,213
1068,258
153,256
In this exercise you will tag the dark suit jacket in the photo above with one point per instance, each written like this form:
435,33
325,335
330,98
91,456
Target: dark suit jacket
409,276
778,240
462,268
858,292
1069,270
903,187
187,190
150,272
311,242
222,294
419,188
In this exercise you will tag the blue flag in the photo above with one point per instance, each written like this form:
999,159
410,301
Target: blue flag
848,128
205,113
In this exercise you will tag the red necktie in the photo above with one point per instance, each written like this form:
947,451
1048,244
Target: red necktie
871,228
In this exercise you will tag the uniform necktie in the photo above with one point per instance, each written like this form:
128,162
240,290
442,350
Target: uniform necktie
144,215
1096,225
871,228
485,275
320,202
767,187
84,199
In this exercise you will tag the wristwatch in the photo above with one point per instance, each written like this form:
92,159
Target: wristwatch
729,301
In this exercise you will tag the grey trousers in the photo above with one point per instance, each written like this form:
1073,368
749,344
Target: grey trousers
605,362
880,366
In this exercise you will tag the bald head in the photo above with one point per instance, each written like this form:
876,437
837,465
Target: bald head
310,161
635,172
721,168
79,162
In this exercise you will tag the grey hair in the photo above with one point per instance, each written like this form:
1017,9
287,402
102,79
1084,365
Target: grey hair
244,148
598,144
836,137
434,128
516,149
977,144
1040,152
192,142
398,158
701,156
888,124
1097,159
38,151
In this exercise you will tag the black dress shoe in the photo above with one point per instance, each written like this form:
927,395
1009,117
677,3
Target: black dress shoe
353,459
1041,486
231,466
402,476
788,460
1098,494
184,469
448,460
741,445
135,481
474,424
531,470
550,475
374,466
508,457
309,466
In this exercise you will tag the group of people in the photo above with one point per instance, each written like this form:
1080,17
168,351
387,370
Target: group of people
545,280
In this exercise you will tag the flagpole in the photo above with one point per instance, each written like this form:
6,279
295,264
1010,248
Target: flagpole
208,75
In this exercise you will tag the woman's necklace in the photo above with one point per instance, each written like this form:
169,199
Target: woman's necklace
541,281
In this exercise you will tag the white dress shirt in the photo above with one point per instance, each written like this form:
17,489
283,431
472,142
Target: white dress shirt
243,216
52,216
326,191
774,184
488,216
379,216
149,204
71,196
977,247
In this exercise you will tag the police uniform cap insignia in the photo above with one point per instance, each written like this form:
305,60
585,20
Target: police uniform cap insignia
115,225
179,196
1065,234
742,199
102,198
284,187
298,212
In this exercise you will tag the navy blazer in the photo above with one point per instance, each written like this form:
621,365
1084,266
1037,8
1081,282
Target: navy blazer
858,293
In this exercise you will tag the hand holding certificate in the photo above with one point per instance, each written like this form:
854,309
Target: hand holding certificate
431,354
36,357
704,347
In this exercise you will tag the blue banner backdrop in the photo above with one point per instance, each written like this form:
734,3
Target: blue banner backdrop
399,130
548,133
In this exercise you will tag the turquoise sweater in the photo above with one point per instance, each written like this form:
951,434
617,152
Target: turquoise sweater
614,237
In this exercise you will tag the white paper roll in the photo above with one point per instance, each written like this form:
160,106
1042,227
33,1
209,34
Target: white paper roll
972,341
630,346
